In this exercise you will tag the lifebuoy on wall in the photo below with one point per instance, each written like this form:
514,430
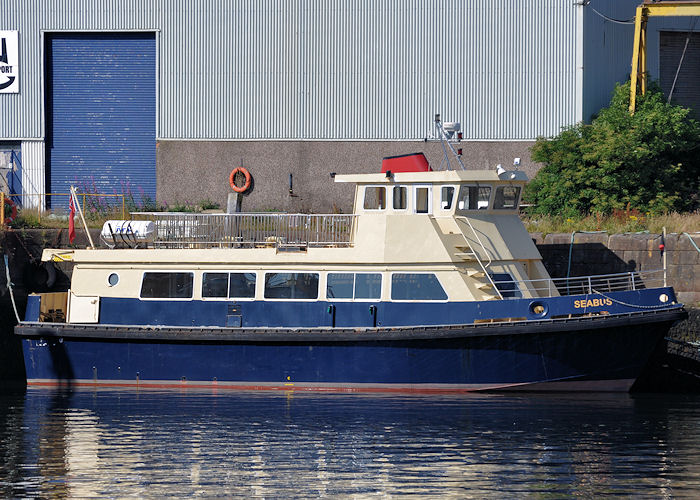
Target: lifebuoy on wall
11,209
232,178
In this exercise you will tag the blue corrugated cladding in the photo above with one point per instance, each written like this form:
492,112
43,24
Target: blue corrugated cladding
101,112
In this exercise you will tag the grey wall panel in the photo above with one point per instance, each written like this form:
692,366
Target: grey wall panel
306,69
366,69
33,174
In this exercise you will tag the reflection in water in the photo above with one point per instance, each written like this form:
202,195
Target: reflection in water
126,443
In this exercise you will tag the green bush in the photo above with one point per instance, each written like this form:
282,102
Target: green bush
647,161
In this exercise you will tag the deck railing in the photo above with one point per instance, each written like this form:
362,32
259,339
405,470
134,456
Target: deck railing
577,285
249,230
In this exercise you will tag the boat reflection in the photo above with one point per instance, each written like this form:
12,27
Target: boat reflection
125,443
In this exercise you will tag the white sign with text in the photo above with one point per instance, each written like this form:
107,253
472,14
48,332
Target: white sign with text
9,62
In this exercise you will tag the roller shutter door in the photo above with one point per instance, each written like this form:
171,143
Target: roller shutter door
687,89
101,113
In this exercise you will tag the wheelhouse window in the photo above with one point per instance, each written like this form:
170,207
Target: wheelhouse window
421,199
506,197
357,286
506,285
400,197
375,198
473,197
164,285
416,286
301,286
447,195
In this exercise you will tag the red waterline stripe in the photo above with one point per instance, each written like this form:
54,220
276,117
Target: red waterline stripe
295,388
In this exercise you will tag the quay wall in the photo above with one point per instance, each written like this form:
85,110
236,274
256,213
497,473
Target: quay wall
603,253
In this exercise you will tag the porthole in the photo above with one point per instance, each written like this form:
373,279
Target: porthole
538,309
663,298
113,279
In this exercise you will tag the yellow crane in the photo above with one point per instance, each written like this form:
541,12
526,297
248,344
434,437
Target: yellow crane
639,52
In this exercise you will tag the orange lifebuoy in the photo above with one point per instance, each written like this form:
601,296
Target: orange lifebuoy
244,187
12,208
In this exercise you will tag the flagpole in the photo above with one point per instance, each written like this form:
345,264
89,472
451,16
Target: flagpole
80,212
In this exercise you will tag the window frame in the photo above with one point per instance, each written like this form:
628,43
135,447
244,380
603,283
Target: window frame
478,186
455,192
264,285
414,203
391,287
176,271
228,286
364,197
517,197
354,274
408,198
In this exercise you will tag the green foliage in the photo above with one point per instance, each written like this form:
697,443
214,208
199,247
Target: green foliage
648,161
207,204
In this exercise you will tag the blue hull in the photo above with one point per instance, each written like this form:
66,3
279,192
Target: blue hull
597,353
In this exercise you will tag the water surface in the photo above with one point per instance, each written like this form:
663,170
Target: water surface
149,444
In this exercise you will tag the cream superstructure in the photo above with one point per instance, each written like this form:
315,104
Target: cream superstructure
463,226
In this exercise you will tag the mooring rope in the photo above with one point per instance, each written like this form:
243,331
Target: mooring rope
692,241
9,287
639,306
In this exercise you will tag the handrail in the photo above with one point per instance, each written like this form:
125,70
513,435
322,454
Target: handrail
577,285
478,259
249,230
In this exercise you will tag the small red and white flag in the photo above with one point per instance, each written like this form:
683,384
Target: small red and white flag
71,220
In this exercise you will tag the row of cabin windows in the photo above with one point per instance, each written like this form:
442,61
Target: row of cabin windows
470,197
295,286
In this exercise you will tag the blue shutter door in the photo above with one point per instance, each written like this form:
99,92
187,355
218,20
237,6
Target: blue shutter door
101,113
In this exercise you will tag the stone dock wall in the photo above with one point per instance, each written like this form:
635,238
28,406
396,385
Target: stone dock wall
602,253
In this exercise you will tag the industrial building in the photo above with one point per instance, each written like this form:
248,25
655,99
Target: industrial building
163,98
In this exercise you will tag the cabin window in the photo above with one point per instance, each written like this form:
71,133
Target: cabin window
215,285
506,285
375,198
349,285
291,285
241,285
368,286
113,279
421,199
400,197
506,197
448,194
167,285
473,197
416,286
231,285
340,285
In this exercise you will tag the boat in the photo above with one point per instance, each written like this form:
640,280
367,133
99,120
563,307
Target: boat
431,285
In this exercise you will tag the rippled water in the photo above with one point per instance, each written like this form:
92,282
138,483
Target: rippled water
151,444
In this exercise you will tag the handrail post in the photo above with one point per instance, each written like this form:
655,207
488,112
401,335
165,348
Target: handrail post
590,289
633,284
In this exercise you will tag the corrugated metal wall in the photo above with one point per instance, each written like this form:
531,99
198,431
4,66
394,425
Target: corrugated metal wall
307,69
33,174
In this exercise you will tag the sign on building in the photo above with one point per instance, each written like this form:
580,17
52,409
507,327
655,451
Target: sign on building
9,62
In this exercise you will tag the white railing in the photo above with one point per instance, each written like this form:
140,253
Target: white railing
249,230
579,285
